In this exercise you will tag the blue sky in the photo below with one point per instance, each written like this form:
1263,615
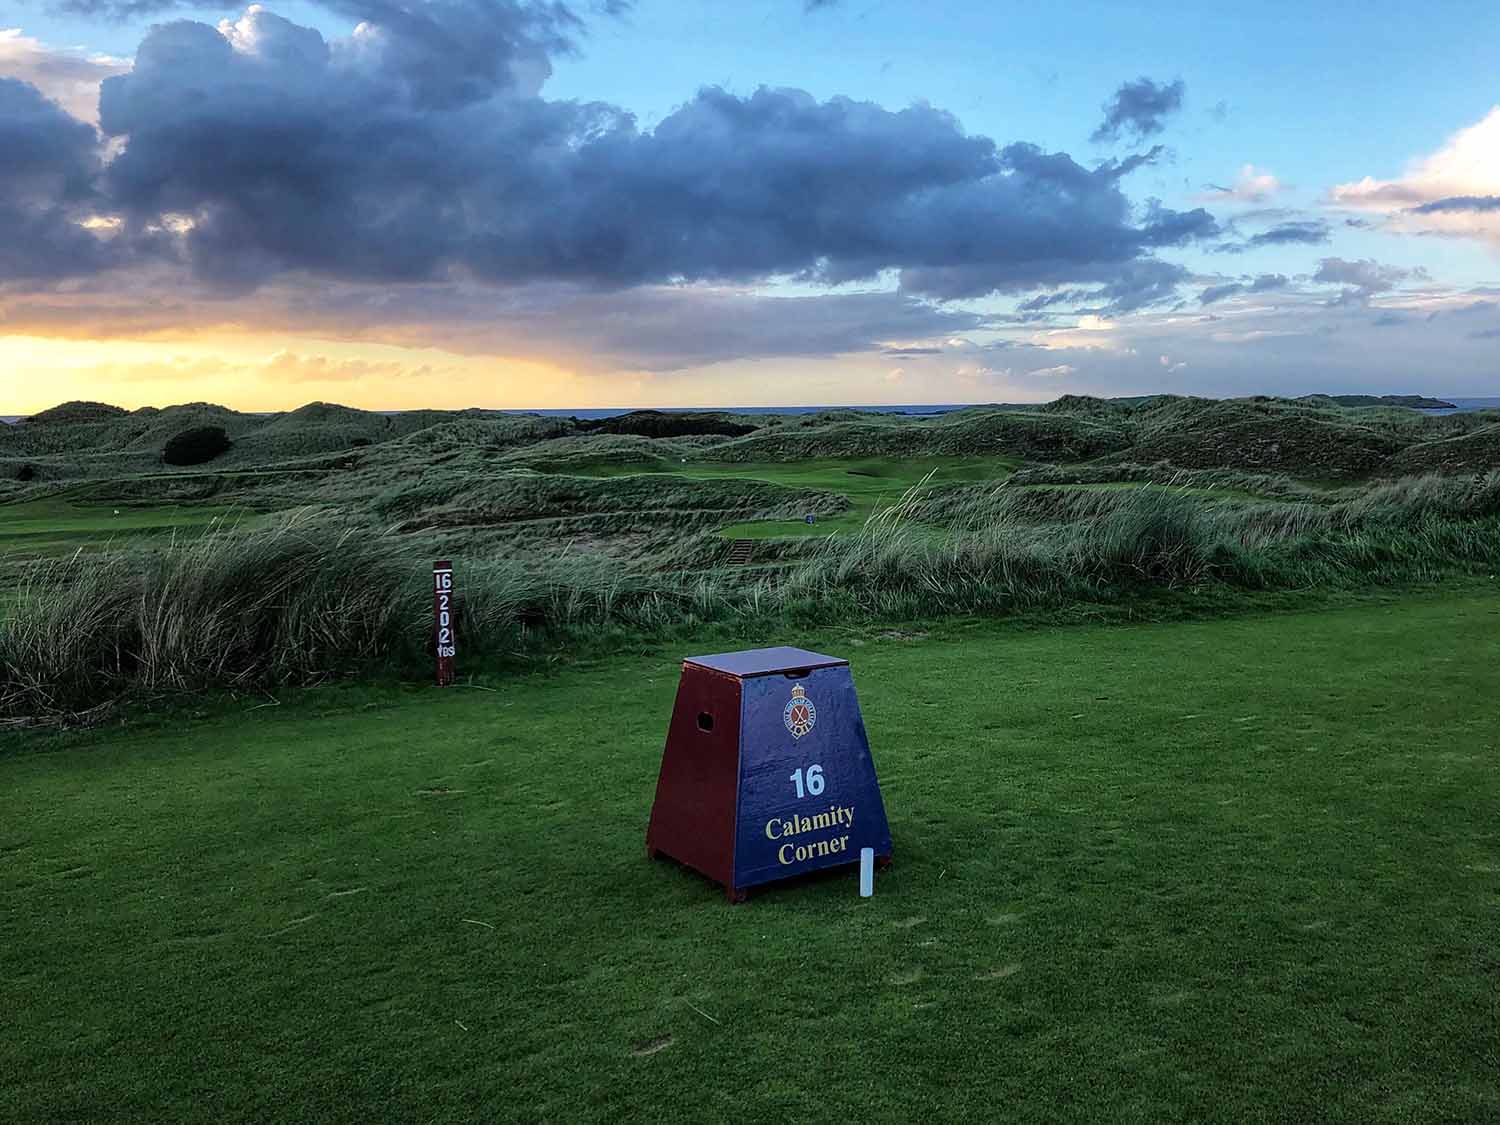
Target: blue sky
1347,287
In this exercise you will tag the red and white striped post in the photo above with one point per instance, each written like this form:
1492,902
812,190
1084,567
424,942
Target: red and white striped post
442,620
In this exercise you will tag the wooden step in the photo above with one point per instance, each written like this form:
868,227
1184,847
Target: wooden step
739,551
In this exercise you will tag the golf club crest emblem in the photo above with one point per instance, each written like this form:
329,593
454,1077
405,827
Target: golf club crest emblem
800,716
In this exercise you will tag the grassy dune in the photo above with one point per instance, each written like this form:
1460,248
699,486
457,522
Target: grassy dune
570,530
1236,870
302,597
871,484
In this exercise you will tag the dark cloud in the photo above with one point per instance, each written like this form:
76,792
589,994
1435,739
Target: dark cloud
47,171
1363,279
1257,215
1304,233
1364,274
1118,169
1140,284
1459,203
386,158
1308,232
1263,283
1048,300
418,150
122,10
1134,285
1139,108
538,21
452,52
1219,292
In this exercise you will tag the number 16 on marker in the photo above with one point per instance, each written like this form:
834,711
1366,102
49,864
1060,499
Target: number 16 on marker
813,778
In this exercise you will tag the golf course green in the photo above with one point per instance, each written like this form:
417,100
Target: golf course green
54,526
1232,870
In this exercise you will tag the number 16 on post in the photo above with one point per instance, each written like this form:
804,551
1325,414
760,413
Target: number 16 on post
443,641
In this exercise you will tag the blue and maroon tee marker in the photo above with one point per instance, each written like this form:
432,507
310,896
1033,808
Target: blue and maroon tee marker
767,770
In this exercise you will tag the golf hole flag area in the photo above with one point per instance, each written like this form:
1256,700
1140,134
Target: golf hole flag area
1239,870
767,771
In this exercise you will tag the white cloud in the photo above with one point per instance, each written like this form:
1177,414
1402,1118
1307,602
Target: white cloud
1455,191
1250,186
981,371
1056,372
69,77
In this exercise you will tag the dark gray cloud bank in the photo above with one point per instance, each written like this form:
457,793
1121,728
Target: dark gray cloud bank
419,149
49,163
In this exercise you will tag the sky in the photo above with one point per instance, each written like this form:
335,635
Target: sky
604,203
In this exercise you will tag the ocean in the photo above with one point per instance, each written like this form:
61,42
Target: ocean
921,409
1466,404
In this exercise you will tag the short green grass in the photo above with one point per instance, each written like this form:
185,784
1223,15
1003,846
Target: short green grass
48,527
1234,870
870,484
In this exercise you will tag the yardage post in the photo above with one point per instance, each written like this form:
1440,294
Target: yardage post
442,620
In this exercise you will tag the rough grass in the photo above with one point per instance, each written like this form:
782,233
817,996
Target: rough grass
962,434
1304,438
1228,871
609,548
1475,451
300,598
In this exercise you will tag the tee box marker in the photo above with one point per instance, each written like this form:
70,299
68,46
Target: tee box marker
767,771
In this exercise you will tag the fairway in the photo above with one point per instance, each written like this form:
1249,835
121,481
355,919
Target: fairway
55,526
1236,870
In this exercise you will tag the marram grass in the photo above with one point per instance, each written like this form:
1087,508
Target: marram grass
299,597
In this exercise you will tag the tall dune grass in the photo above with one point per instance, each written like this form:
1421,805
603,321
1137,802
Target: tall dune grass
292,601
283,603
302,598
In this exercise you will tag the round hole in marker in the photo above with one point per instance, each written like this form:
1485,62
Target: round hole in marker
705,721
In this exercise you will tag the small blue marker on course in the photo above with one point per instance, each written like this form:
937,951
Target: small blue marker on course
866,872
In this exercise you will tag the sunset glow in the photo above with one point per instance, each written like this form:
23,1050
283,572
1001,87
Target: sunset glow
262,208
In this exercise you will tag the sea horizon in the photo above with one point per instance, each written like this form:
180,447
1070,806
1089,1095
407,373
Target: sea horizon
1462,404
